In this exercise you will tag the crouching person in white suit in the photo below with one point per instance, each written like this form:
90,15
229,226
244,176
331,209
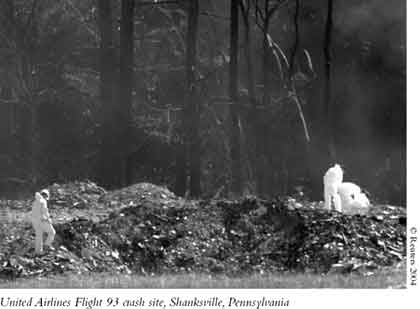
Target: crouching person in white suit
41,221
353,200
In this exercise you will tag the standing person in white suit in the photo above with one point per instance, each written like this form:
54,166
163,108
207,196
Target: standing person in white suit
41,221
332,180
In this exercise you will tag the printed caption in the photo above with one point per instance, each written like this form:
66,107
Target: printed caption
143,302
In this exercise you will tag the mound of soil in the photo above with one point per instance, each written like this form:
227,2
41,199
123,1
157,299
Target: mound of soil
79,194
149,230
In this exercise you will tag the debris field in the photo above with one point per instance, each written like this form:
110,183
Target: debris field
146,229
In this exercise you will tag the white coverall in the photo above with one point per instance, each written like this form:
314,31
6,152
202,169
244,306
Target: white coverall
346,197
353,200
41,223
332,180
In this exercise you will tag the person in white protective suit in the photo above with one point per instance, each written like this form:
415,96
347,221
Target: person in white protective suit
345,197
332,180
41,221
353,200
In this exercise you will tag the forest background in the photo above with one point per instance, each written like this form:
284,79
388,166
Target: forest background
211,98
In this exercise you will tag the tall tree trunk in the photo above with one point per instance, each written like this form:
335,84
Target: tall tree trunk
252,116
329,108
31,96
266,54
189,142
109,171
193,103
264,182
126,82
296,43
233,92
181,162
7,22
23,81
311,164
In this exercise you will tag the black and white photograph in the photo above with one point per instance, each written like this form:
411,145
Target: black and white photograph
203,144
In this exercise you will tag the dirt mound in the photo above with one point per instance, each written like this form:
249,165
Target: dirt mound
150,230
76,249
137,194
79,194
307,238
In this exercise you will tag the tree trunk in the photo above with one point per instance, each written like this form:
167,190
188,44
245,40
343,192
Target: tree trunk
126,82
109,170
181,163
189,140
262,129
329,108
296,43
193,103
266,54
311,164
252,115
7,22
233,92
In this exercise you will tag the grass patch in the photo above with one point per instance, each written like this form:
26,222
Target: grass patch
389,278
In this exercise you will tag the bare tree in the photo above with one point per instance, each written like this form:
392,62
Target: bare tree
189,141
233,92
108,167
252,115
193,103
296,43
126,82
20,39
329,108
266,14
7,104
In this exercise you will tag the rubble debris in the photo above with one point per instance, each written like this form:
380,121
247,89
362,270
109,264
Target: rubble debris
138,193
79,194
150,230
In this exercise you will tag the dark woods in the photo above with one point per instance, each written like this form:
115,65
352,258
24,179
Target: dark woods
208,97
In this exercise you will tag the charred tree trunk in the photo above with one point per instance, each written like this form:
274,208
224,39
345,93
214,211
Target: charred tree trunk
252,115
126,83
233,93
193,104
108,168
329,108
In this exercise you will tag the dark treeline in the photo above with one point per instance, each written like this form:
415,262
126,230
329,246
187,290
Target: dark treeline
211,98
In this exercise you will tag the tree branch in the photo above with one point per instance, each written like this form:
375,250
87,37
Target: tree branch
82,19
205,13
